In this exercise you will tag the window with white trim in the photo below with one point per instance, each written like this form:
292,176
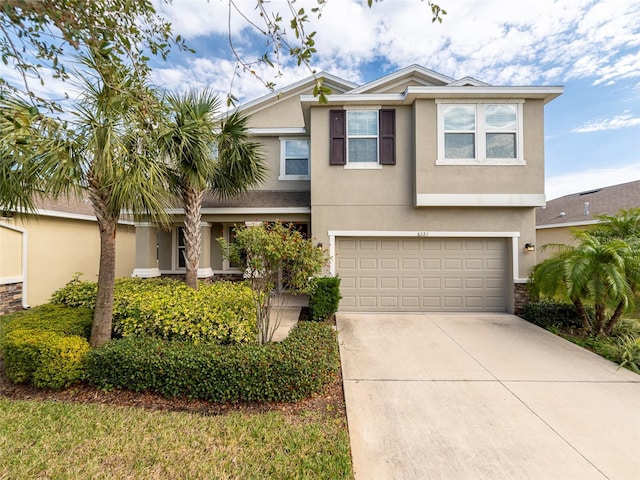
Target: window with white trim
480,133
294,159
229,234
362,136
182,249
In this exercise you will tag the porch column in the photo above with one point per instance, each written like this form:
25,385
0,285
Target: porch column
204,266
146,265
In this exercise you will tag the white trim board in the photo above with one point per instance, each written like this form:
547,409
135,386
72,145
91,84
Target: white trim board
246,210
568,224
480,200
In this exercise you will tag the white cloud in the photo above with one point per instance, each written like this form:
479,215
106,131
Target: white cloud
624,120
590,179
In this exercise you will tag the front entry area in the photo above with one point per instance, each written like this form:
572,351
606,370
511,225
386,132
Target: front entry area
422,274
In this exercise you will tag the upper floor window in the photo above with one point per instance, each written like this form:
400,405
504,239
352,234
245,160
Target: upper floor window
294,159
480,133
362,138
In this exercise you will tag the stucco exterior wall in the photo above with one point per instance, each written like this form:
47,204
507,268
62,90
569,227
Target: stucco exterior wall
60,247
383,199
546,236
10,253
491,179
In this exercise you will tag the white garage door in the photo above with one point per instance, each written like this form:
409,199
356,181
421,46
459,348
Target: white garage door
422,274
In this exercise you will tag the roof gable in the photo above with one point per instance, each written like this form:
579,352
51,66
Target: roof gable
413,75
304,86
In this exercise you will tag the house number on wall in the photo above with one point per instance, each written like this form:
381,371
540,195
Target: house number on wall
423,234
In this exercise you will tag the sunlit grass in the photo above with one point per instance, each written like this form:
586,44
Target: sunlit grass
78,441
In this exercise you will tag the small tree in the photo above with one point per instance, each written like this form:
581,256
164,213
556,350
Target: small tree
275,257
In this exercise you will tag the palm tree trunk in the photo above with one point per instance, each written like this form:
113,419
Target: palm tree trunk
600,314
586,324
614,318
103,313
192,199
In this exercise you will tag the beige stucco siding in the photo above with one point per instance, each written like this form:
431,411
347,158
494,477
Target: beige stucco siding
10,254
382,199
287,113
491,179
271,152
406,218
545,236
60,247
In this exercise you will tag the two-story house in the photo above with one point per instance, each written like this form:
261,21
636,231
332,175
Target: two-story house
422,188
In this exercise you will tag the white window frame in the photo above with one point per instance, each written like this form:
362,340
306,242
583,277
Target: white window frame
481,134
283,159
363,165
226,234
175,250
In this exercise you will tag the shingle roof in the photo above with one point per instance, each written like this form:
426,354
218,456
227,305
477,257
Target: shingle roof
260,199
71,205
581,207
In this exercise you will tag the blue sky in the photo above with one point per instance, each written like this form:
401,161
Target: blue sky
591,47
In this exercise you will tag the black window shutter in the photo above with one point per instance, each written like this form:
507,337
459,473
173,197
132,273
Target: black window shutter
387,119
337,131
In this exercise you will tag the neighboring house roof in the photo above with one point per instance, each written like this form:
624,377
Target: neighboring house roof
580,208
73,208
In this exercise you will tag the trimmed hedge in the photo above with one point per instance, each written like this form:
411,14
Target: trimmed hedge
46,346
324,298
553,314
60,319
297,367
44,358
221,312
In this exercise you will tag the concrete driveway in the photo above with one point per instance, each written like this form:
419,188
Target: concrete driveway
483,396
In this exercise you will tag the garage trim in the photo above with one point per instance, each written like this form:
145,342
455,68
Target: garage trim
424,234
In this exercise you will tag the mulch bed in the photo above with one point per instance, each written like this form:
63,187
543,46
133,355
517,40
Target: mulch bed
330,402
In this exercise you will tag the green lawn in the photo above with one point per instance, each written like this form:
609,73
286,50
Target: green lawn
45,439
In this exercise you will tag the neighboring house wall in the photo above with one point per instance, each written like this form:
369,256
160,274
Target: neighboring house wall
561,235
11,266
59,247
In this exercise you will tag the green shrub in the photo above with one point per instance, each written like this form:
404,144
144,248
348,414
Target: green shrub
51,317
77,293
298,367
324,298
221,312
628,352
549,314
43,358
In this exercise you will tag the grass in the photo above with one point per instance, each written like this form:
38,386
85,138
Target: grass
45,439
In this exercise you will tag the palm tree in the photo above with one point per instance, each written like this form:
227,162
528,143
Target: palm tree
625,224
108,154
602,272
204,153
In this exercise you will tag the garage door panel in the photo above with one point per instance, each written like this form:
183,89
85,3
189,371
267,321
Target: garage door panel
414,274
389,263
410,264
389,282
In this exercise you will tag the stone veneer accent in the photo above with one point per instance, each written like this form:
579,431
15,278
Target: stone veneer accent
10,298
520,297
